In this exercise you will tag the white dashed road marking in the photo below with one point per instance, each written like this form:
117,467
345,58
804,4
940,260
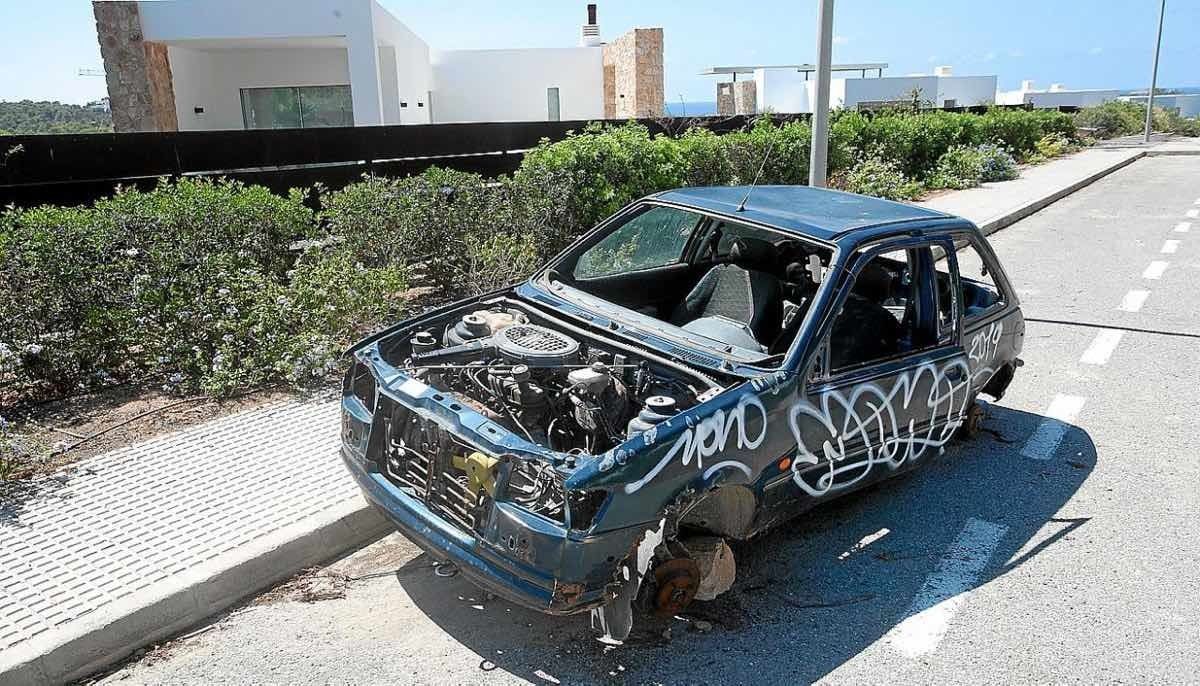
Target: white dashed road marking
1102,347
1045,439
1170,247
1155,270
946,589
864,542
1193,214
1183,227
1133,301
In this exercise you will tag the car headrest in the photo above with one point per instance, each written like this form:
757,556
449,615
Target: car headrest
752,253
874,283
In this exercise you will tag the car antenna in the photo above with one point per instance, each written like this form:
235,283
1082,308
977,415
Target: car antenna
742,205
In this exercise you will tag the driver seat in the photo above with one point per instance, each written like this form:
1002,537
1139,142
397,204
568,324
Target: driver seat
737,291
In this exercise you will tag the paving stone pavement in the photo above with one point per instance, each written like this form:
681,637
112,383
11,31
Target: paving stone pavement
128,521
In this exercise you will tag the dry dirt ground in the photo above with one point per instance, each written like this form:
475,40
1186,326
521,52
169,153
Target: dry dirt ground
62,432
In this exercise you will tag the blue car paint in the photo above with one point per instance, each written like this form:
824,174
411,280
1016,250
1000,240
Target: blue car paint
733,440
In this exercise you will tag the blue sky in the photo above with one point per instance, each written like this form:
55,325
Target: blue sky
1081,43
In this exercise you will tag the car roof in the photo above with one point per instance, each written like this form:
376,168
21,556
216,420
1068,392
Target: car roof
814,212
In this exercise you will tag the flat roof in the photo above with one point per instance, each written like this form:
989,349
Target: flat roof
816,212
711,71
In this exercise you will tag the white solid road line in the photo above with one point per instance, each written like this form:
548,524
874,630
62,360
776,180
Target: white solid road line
1170,247
1155,270
1133,301
1192,214
1183,227
1102,347
1044,441
946,589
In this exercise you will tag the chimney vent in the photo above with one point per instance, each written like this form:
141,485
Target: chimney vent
1027,85
590,35
945,70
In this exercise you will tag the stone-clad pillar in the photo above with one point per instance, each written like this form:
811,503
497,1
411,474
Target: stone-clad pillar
140,90
633,75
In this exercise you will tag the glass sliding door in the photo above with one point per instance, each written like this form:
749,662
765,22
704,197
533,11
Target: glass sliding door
326,106
297,107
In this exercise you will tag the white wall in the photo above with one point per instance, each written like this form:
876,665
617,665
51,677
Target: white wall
1049,99
213,79
412,71
510,85
784,91
1188,104
182,20
966,91
887,89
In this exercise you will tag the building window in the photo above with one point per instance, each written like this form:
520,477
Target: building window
297,107
552,105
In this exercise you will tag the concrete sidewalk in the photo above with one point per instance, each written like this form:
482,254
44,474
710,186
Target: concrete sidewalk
126,549
994,206
131,547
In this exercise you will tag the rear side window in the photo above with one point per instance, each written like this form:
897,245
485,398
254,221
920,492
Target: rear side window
979,290
653,238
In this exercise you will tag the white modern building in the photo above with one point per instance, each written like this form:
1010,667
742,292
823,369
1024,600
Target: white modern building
1055,96
233,64
1184,104
792,88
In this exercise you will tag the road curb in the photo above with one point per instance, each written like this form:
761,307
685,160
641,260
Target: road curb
126,626
1022,211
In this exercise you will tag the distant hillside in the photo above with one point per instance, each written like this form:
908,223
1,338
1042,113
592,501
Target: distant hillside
28,117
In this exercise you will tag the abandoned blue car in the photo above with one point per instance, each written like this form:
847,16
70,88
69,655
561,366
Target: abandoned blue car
705,364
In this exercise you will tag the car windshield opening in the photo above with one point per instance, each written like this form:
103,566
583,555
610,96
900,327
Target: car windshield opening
724,283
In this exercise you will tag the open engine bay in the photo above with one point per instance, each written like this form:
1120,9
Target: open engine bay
547,381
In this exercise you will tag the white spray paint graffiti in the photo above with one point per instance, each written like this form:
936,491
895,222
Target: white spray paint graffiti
983,349
710,436
876,427
872,419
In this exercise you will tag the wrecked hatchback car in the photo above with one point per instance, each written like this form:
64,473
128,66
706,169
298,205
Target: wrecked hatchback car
703,365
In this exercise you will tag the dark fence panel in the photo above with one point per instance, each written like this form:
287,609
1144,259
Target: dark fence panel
79,168
72,169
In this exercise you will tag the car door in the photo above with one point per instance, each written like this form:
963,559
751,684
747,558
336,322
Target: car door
880,394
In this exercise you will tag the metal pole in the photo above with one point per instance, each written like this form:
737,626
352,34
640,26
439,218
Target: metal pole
820,122
1162,8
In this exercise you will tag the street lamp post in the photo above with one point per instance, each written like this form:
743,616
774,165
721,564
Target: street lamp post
818,163
1162,8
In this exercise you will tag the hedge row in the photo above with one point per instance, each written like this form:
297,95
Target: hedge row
213,286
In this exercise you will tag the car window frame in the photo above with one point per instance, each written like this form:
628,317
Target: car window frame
989,259
686,256
864,255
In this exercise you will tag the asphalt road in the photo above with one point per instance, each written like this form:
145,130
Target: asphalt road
1051,549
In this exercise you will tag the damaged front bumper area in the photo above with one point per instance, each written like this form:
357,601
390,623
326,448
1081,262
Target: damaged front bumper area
470,492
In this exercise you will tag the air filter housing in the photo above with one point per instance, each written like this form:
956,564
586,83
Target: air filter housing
536,346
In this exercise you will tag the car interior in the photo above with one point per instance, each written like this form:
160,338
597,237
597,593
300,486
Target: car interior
733,283
750,287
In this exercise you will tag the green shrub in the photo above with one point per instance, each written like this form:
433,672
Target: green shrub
1053,145
879,178
705,158
959,167
194,283
602,168
329,302
998,163
1113,119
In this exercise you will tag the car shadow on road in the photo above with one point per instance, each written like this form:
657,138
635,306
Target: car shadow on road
812,593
